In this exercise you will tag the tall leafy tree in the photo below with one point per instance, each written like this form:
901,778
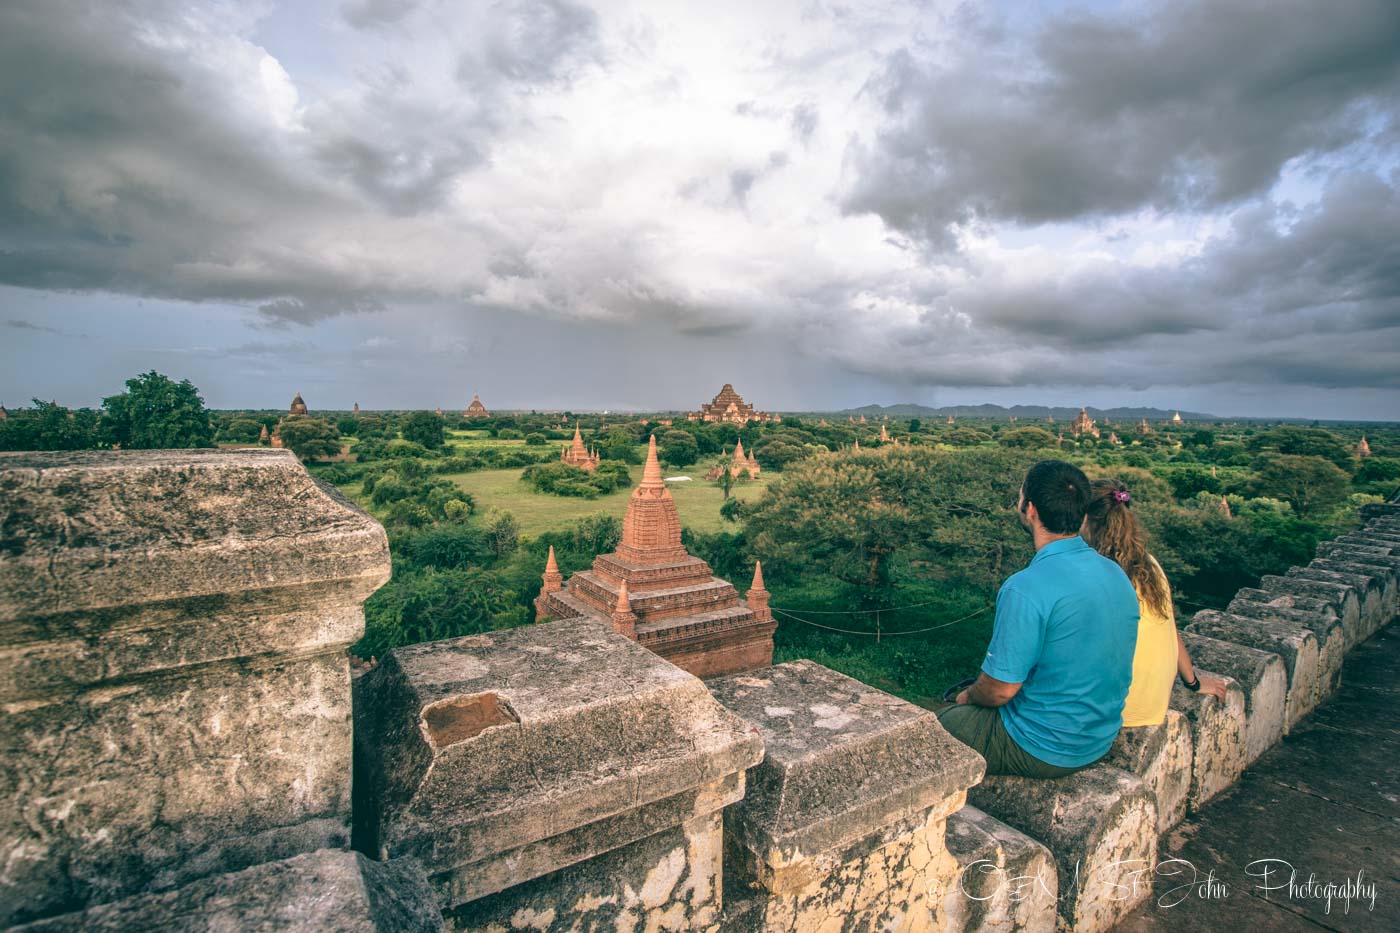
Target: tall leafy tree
310,438
155,412
423,427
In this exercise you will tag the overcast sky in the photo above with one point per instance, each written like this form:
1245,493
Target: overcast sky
568,204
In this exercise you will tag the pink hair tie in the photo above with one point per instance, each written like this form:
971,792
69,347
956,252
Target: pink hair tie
1121,495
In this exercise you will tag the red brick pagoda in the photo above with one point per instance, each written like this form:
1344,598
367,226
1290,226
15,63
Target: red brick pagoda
651,590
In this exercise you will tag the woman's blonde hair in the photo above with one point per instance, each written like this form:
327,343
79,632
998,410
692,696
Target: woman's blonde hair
1116,533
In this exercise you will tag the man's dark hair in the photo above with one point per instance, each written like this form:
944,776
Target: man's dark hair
1060,493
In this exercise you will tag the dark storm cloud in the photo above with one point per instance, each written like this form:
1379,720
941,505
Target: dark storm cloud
400,146
122,167
26,325
1334,266
373,14
1193,105
534,41
140,154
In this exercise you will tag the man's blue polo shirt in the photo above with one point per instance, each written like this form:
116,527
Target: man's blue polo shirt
1065,630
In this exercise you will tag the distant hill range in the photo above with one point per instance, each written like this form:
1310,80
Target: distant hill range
1023,412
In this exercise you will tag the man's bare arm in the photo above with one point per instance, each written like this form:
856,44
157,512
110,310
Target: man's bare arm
988,691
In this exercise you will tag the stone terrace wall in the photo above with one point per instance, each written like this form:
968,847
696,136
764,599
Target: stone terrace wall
177,698
177,742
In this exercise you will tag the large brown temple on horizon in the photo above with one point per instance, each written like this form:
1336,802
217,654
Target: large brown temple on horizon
476,409
652,591
730,407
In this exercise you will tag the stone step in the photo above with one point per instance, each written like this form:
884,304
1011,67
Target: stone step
329,889
1006,880
1100,824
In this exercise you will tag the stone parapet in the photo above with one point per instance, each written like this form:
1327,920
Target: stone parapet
324,890
1161,755
1006,880
501,758
1368,586
174,624
1295,645
1262,678
843,822
1339,597
1101,826
1218,739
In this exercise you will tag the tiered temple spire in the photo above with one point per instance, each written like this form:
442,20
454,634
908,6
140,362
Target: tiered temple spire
576,454
650,589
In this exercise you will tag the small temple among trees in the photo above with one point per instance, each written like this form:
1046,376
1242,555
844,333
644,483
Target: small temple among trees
739,464
577,455
476,409
651,590
730,407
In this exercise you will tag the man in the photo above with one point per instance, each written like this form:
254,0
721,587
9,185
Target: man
1049,699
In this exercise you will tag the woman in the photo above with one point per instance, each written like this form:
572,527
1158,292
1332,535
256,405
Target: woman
1115,532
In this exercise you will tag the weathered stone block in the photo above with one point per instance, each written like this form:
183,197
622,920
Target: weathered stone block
669,881
179,705
1313,615
1339,597
1101,826
499,758
1218,739
1295,645
1260,674
1369,589
843,822
325,890
1006,880
1161,756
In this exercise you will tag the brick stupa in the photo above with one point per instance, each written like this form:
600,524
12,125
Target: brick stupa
730,407
577,455
651,590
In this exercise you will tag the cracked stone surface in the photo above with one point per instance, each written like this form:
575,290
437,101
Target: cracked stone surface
502,757
325,890
842,826
173,624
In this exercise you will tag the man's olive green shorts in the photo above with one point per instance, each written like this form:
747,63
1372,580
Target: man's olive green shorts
981,728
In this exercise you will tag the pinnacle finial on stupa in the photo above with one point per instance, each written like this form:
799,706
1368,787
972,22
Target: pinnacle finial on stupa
651,473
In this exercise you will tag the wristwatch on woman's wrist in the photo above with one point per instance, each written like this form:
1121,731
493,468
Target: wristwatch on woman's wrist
1193,685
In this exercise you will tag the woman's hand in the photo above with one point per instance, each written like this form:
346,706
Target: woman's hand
1215,686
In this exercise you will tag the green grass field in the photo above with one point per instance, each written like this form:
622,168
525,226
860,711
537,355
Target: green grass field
697,501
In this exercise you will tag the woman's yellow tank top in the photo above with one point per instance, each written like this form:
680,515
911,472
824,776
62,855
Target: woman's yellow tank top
1154,665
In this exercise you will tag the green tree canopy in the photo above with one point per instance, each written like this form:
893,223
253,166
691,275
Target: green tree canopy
1028,438
49,426
155,412
678,448
851,515
1312,485
1306,442
423,427
310,438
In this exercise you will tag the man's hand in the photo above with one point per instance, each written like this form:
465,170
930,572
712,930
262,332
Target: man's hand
961,699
